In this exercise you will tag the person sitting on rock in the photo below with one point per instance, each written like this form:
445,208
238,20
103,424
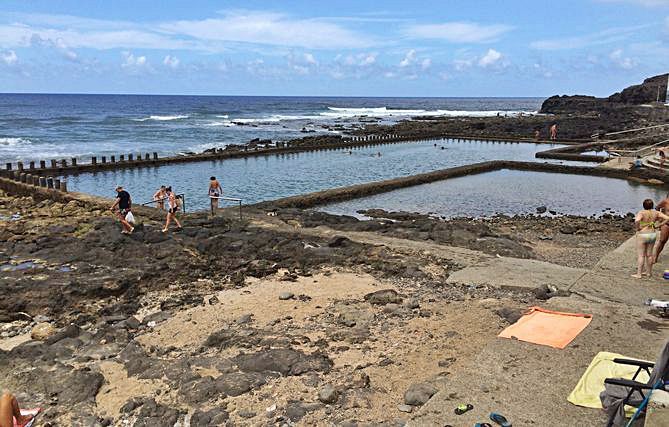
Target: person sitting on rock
638,164
10,412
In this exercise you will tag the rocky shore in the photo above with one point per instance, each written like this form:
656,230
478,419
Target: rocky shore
262,322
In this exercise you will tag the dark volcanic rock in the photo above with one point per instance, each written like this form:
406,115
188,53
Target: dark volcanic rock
652,89
285,361
383,297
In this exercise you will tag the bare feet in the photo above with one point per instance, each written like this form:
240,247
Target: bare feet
164,230
636,276
24,419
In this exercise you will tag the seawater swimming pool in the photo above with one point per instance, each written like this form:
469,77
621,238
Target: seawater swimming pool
274,176
509,192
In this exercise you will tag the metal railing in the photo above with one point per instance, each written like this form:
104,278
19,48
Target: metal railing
641,152
182,196
230,199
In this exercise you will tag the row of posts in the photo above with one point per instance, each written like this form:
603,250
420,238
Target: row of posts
373,137
55,164
39,181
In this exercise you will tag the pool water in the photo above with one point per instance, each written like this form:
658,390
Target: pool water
256,179
509,192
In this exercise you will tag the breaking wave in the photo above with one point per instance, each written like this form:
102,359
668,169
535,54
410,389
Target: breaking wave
162,118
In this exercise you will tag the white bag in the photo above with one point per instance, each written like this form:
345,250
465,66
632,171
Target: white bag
130,217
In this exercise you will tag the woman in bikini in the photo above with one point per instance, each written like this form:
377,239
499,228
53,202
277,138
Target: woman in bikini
172,209
215,191
647,222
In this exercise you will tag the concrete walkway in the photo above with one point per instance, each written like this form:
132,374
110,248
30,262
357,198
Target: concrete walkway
530,383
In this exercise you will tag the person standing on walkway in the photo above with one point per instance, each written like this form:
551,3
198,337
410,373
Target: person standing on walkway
647,221
122,207
554,132
159,197
172,209
215,191
663,207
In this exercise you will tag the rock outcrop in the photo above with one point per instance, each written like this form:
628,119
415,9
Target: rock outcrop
653,89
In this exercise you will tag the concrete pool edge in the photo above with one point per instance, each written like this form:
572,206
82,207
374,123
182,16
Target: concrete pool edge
340,194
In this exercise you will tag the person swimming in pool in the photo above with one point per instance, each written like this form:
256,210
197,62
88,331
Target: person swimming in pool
647,222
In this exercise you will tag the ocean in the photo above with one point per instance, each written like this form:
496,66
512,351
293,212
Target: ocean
42,127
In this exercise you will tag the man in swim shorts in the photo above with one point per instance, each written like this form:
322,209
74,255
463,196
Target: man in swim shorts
121,207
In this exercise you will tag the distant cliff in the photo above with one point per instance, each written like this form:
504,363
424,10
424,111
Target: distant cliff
651,90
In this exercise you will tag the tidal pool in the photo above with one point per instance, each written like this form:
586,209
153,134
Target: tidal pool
256,179
509,192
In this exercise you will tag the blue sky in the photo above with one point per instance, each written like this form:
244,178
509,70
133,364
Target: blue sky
337,48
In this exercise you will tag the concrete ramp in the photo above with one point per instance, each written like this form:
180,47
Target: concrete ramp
518,274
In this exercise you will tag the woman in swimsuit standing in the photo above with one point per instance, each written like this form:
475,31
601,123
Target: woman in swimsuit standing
172,209
647,222
215,191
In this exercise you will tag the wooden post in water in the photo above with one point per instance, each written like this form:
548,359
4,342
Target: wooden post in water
31,165
29,179
22,177
53,164
147,156
104,159
42,181
49,182
130,157
63,163
19,166
56,184
94,160
9,166
113,159
74,161
63,186
155,156
42,164
121,157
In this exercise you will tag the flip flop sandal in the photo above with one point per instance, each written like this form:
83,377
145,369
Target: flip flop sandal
482,425
499,419
462,408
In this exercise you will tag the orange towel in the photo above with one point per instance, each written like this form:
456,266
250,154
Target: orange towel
545,327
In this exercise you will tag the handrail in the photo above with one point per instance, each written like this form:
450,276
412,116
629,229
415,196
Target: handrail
231,199
182,196
638,151
634,130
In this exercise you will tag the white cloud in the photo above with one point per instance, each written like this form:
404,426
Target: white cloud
457,32
309,59
9,57
425,64
214,34
171,61
607,36
490,58
269,28
463,64
358,60
622,61
409,58
134,64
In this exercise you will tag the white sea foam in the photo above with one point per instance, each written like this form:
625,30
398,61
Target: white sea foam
225,123
345,112
162,118
223,116
13,142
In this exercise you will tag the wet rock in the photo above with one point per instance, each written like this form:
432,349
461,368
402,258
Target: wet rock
283,296
418,394
42,331
328,394
541,209
384,296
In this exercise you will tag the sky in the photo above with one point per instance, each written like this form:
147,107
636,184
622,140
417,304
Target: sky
332,48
